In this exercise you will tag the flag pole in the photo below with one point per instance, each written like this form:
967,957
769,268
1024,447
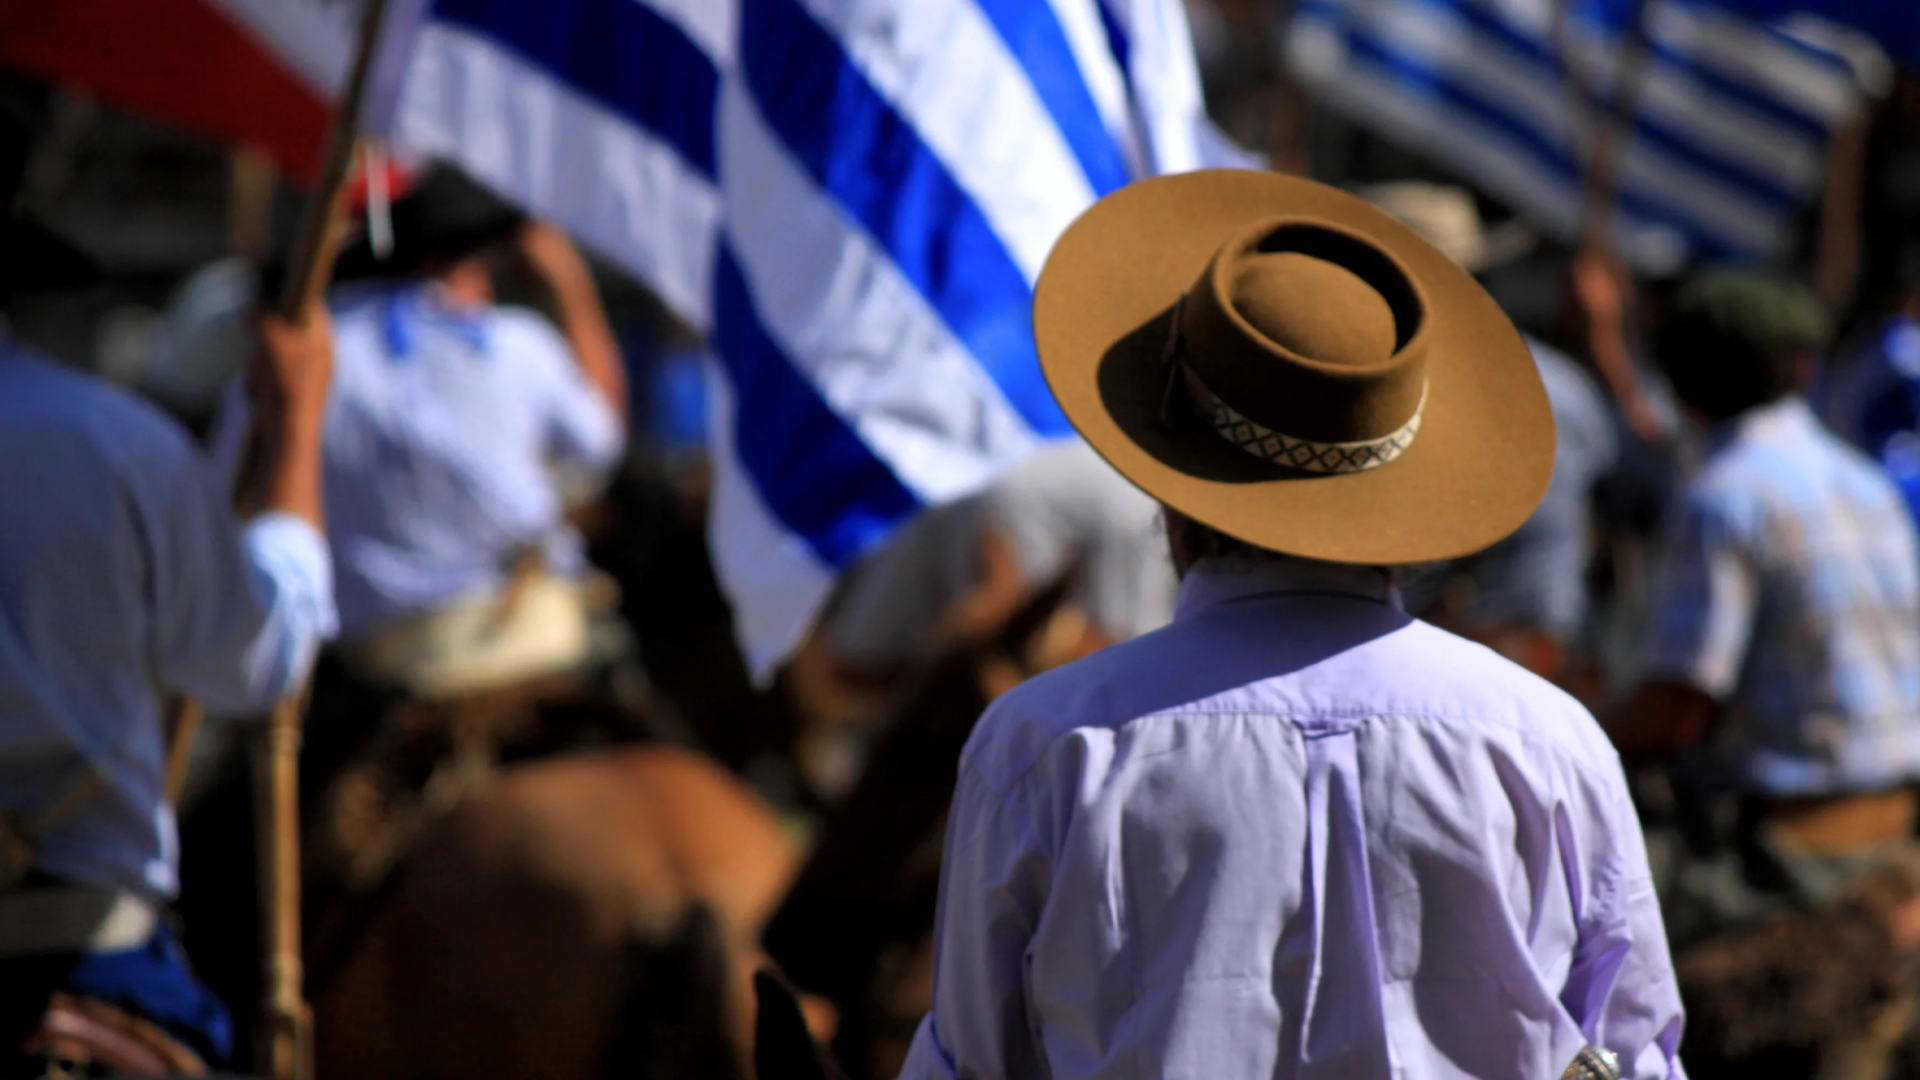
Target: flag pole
1600,136
285,1048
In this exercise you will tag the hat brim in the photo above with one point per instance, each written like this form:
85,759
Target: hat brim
1476,471
38,259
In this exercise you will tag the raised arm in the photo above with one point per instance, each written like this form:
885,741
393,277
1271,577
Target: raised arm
241,612
583,319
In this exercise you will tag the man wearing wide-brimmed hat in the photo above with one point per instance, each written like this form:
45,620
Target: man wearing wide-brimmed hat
125,577
1297,833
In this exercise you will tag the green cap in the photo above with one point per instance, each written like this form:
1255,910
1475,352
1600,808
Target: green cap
1751,313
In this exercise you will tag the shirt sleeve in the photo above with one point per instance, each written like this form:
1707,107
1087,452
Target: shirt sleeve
1621,989
582,428
238,613
1705,617
991,894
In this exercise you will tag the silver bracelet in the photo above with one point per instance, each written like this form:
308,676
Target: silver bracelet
1593,1063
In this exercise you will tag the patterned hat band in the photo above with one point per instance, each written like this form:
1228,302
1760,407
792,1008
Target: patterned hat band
1292,451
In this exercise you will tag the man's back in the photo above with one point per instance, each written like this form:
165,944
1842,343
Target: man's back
1295,834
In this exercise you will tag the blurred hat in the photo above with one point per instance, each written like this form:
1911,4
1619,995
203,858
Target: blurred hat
1447,217
442,217
1731,339
32,256
1746,312
1284,363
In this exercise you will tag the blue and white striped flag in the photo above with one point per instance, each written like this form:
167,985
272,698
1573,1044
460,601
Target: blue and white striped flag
852,198
1728,139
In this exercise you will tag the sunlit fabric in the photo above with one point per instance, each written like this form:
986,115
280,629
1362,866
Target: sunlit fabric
851,199
1295,834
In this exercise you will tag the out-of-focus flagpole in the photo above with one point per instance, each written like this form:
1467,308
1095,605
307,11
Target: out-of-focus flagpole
285,1048
1600,135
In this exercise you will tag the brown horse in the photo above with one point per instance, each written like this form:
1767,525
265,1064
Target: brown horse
582,916
857,926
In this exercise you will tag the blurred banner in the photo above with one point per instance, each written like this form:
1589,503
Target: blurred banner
851,198
1730,117
258,73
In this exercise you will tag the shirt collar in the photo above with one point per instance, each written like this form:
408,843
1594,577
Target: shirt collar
418,306
1214,581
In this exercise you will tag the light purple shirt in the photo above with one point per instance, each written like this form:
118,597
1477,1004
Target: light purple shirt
1295,834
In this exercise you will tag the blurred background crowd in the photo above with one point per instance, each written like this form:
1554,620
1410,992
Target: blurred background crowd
1810,173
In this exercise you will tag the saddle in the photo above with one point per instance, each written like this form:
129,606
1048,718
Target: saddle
85,1037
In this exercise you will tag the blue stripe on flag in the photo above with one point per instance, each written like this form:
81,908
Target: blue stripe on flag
1034,36
1117,41
1427,82
872,161
617,51
812,471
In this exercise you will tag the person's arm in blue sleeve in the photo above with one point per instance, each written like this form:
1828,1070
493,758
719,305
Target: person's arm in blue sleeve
240,613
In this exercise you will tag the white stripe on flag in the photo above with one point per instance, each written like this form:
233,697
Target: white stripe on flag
946,70
854,326
1165,81
761,563
548,147
1087,37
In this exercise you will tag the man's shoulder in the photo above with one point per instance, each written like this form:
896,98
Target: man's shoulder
78,408
1415,670
511,326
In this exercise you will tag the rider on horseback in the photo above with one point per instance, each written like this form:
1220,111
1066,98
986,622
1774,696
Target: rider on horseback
125,577
451,420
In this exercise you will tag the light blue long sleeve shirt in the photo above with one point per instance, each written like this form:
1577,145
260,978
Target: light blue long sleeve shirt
442,431
1294,834
125,578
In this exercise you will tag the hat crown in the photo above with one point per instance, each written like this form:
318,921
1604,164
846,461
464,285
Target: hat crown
1311,330
1313,308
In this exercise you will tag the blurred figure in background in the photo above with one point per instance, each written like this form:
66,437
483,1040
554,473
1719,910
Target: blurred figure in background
124,577
1526,596
453,422
959,570
1870,394
1785,648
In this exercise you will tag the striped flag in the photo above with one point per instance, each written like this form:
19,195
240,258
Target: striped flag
852,198
1728,137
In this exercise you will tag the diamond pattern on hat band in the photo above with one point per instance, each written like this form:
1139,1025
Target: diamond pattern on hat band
1304,454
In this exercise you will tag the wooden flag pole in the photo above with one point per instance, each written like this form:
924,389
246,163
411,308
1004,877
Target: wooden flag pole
285,1049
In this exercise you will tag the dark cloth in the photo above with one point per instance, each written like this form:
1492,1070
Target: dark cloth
152,981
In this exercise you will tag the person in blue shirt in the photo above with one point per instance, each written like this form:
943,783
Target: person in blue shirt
126,578
455,423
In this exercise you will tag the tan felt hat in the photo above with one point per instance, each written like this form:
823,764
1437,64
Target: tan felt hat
1281,361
